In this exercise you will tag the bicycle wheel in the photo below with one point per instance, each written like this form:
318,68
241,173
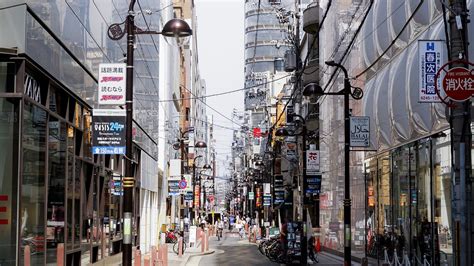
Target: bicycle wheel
176,248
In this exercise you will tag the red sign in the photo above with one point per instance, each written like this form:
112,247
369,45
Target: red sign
458,83
257,132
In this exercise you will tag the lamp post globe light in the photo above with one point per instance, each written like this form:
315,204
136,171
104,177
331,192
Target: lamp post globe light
314,89
173,28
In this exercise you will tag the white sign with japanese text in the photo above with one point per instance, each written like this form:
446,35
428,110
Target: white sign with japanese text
430,60
359,131
312,162
175,170
112,84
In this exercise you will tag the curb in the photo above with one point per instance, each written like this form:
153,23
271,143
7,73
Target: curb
196,255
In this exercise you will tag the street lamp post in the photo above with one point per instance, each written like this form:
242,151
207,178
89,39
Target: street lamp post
281,132
173,28
316,90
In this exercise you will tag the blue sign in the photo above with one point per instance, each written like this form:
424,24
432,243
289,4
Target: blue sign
108,150
108,131
188,195
430,60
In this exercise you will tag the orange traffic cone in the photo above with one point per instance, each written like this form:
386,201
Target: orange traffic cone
318,245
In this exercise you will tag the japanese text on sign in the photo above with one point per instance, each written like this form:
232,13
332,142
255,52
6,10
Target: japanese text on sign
112,84
430,60
312,162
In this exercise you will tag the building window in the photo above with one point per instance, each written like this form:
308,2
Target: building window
8,179
56,182
33,183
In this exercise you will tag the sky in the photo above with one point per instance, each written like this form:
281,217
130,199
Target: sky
220,37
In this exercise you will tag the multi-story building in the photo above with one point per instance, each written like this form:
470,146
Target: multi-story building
405,183
193,120
56,192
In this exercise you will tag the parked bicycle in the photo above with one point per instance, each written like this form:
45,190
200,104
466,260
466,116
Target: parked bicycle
171,237
176,247
273,249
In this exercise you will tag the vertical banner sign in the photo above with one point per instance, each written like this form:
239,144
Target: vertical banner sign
175,170
112,84
311,187
359,131
278,190
267,196
430,60
197,196
258,201
108,131
312,162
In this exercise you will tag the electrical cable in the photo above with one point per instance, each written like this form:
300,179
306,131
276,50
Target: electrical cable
227,92
393,41
305,63
210,107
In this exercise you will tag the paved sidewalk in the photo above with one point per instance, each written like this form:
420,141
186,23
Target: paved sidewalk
174,259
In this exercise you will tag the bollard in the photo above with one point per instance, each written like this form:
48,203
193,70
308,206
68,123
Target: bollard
267,233
157,256
207,241
60,254
146,260
153,254
202,242
180,247
165,255
138,258
26,256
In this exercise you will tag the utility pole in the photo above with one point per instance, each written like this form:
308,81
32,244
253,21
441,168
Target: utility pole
461,143
129,180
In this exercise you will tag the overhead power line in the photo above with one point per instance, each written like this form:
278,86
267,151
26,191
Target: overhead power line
226,92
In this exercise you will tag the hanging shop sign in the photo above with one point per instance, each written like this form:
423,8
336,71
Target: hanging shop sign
108,131
359,131
312,162
258,201
197,196
112,84
430,60
267,200
278,190
175,169
312,188
188,196
251,195
173,188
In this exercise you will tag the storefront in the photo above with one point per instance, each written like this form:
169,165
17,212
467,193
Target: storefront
409,199
53,191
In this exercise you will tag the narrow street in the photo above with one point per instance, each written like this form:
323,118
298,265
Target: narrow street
231,250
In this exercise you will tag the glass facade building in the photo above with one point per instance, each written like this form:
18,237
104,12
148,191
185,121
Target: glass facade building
53,191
